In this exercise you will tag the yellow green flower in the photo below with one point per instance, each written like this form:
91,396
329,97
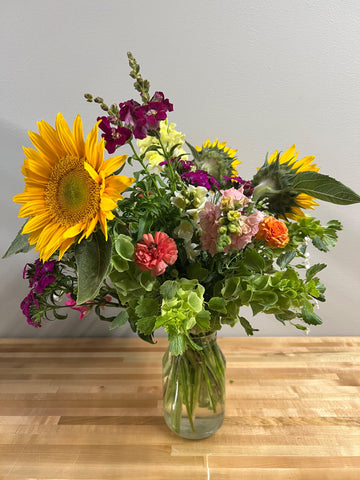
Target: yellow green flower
169,137
69,188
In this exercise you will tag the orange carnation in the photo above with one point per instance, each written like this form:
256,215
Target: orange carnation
273,232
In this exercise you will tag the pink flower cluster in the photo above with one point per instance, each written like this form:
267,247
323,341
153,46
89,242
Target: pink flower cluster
155,253
210,216
249,227
209,223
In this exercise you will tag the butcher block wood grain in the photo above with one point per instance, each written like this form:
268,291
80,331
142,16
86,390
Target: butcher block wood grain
91,409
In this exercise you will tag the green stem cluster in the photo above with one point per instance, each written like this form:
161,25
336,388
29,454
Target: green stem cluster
194,387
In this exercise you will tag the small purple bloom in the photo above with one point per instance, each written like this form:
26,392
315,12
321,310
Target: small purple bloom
181,166
129,112
201,178
114,136
145,118
28,305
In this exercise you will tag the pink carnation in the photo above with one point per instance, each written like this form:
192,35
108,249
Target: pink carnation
249,227
155,254
83,309
209,223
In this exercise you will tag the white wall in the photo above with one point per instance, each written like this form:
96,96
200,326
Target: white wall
258,74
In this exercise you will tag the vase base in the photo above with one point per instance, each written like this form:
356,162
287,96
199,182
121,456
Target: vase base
204,427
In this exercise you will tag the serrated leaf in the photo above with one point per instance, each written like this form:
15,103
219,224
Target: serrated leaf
324,188
93,257
124,247
310,317
319,244
312,271
120,320
177,344
168,289
20,244
218,304
147,307
146,325
285,258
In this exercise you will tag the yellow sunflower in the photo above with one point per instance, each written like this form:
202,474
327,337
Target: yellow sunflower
217,159
302,200
69,188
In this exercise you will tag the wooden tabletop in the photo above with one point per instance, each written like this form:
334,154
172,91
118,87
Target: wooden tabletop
91,409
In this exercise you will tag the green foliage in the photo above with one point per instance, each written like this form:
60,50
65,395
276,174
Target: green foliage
324,188
120,320
323,237
20,244
93,259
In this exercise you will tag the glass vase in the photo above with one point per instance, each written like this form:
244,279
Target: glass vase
194,389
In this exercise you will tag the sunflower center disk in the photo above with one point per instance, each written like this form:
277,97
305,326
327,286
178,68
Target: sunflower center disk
72,195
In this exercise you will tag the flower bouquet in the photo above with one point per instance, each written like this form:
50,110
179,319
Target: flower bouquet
188,245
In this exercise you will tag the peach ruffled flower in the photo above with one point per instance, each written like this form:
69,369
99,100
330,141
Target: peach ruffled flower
155,253
273,232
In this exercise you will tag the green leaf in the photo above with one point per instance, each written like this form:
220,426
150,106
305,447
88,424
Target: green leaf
256,308
120,320
92,258
193,151
195,270
218,304
265,298
312,271
286,315
285,258
177,344
124,247
310,317
231,288
247,327
120,264
319,244
299,327
195,302
253,260
20,244
146,325
168,289
147,307
203,320
324,188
